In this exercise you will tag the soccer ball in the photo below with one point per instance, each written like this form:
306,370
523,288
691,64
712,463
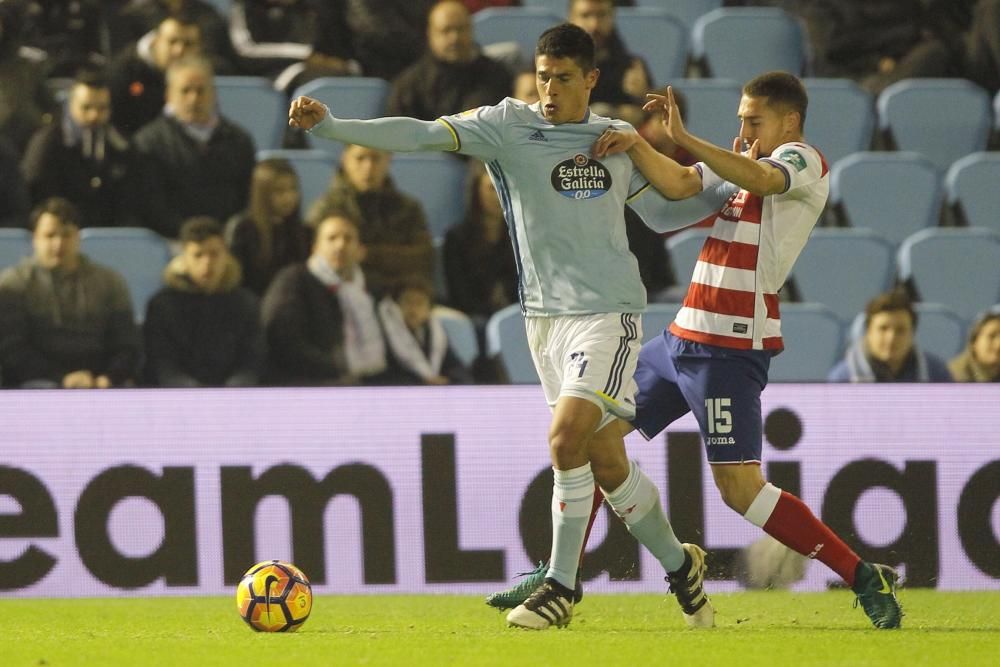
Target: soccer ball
274,596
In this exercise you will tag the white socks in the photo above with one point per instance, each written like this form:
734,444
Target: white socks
572,500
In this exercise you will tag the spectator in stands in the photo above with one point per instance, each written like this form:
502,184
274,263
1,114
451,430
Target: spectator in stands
452,75
479,266
981,57
71,34
140,17
651,129
392,224
625,79
15,202
84,158
65,321
292,41
196,161
418,346
319,318
138,74
203,329
269,235
387,35
25,101
525,87
887,351
980,360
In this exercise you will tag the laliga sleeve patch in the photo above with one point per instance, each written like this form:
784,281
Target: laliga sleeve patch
793,158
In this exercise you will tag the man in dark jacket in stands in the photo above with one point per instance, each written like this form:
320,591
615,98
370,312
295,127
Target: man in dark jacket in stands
452,75
203,329
196,161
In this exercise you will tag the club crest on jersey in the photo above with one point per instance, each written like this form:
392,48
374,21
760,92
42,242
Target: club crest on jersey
581,178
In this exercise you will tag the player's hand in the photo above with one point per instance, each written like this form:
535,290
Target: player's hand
614,141
740,146
670,114
305,112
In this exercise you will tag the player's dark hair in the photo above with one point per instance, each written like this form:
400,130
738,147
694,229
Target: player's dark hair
568,41
199,229
58,207
890,302
782,90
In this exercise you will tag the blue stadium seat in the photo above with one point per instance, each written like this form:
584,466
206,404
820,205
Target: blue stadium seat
137,253
657,317
711,109
314,167
840,119
996,112
684,248
813,336
844,268
438,181
461,333
940,330
741,42
687,11
959,267
659,38
942,118
221,6
972,187
505,336
347,97
252,103
515,24
894,193
15,244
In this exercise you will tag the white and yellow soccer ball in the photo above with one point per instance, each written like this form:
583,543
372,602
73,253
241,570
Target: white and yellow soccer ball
274,596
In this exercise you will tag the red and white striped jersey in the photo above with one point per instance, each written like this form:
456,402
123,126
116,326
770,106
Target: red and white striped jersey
733,297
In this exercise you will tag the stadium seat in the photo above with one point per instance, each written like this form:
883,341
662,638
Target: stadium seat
895,193
221,6
840,119
657,317
687,11
942,118
844,268
996,112
252,103
940,330
347,97
438,181
741,42
461,333
314,167
711,109
684,248
972,187
659,38
959,267
15,243
139,254
813,336
506,337
522,25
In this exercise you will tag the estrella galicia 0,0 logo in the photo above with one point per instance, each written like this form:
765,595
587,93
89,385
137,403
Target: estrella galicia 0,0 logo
581,178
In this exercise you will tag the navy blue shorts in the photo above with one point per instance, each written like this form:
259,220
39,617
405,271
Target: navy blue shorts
721,386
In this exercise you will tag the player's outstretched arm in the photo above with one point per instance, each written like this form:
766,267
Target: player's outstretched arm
670,179
387,134
741,169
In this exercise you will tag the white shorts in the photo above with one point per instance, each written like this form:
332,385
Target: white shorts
592,357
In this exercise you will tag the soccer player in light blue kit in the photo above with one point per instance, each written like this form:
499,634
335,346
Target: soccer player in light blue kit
579,289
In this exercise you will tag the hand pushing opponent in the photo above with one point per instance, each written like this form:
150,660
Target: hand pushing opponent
305,113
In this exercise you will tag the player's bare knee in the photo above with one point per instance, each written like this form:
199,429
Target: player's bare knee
567,444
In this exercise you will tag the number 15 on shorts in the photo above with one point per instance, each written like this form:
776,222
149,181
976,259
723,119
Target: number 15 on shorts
719,418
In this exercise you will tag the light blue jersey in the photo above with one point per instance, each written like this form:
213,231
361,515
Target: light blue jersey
564,209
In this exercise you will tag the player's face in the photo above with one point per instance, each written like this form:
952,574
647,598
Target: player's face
90,107
889,337
597,17
173,41
56,244
563,88
449,33
191,93
337,242
415,305
206,262
770,125
284,196
365,168
986,346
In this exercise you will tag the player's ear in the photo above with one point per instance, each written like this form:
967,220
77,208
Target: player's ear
591,77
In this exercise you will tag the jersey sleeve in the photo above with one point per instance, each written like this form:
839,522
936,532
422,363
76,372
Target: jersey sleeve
801,164
666,215
479,132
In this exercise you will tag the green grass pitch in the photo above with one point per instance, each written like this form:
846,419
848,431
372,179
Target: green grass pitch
776,629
